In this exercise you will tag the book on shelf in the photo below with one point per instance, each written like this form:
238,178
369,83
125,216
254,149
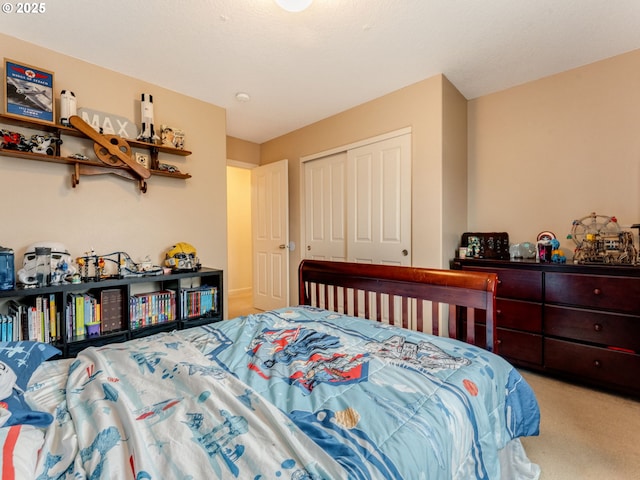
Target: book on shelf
82,309
78,315
147,309
198,301
17,312
111,310
6,328
31,320
53,318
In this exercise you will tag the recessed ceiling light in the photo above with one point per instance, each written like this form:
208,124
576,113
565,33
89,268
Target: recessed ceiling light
242,97
294,5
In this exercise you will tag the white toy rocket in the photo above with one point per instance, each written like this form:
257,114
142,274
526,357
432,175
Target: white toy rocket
147,132
68,106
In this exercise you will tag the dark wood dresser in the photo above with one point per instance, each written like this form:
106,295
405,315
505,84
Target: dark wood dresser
580,322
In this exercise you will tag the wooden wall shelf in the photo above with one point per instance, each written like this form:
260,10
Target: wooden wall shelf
62,130
72,161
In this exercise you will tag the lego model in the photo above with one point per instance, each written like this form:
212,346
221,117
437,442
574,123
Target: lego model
62,266
600,239
147,132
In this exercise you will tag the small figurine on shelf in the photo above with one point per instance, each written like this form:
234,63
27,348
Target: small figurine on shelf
100,267
557,255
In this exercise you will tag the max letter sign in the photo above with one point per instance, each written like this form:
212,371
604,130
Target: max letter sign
108,124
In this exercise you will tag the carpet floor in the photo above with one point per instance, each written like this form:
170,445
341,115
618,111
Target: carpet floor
584,433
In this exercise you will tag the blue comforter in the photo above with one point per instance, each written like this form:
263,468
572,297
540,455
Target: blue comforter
296,393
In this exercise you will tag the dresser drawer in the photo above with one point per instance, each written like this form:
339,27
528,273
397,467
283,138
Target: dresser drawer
518,284
619,294
517,347
604,366
519,315
609,329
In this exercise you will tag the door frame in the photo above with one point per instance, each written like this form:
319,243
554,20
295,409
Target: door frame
333,151
246,166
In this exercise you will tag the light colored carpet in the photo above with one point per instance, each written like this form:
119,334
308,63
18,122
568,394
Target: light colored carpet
584,434
240,304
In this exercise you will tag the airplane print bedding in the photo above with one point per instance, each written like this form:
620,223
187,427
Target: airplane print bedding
296,393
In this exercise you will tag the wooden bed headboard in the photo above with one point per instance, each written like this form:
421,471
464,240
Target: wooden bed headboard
417,296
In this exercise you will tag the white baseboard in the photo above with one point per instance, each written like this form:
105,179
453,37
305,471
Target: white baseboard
241,291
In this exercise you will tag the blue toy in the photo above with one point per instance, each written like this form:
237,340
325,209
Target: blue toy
557,255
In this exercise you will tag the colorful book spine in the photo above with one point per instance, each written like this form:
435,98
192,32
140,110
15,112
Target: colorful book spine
79,316
53,318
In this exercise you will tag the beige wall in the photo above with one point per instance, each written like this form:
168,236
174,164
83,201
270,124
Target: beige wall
454,164
243,151
419,106
240,243
550,151
108,213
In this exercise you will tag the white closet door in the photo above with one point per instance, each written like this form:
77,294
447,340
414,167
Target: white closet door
379,202
326,208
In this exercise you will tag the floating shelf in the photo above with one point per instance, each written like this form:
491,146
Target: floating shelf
60,130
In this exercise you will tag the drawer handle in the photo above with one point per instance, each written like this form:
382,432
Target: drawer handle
597,363
498,312
597,291
499,282
597,327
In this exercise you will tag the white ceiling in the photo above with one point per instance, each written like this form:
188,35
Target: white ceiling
302,67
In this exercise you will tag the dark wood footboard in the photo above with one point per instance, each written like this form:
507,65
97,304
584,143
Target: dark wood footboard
441,302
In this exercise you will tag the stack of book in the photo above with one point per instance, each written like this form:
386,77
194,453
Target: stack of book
38,321
198,302
152,308
82,308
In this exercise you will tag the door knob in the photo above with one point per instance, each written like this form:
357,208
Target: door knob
405,252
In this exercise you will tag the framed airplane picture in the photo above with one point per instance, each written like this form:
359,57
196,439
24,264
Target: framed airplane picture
28,92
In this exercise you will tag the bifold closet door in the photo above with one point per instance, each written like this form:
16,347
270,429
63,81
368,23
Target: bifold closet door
379,202
326,208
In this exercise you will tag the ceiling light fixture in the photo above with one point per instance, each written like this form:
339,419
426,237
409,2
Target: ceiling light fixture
242,97
294,5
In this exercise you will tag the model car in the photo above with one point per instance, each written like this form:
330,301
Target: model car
14,141
44,144
168,168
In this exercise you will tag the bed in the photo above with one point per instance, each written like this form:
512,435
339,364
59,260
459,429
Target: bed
345,385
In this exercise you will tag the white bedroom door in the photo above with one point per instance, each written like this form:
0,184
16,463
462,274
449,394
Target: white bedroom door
270,224
379,202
